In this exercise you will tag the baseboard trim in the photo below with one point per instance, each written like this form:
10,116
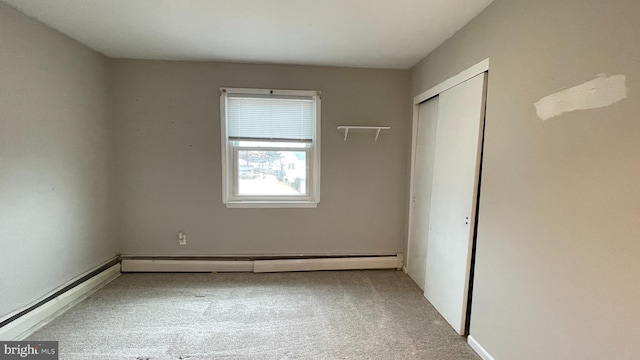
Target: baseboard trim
348,263
260,265
479,349
31,321
186,265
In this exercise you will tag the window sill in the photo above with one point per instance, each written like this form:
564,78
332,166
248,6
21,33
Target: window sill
271,204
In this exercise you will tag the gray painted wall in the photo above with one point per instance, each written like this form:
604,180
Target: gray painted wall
56,160
559,238
168,139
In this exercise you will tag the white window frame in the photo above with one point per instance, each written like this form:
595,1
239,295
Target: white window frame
229,153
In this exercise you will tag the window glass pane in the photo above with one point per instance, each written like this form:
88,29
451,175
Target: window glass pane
272,173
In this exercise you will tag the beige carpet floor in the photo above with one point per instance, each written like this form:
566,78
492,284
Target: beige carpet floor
312,315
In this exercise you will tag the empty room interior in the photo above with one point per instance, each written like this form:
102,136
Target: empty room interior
422,179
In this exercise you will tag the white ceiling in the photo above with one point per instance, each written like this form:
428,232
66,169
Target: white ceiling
356,33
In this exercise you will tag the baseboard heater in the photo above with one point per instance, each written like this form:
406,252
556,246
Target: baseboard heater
23,322
262,265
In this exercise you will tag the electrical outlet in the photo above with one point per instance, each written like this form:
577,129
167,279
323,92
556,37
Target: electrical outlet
182,238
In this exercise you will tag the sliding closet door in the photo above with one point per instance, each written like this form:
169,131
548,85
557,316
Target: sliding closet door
453,199
421,200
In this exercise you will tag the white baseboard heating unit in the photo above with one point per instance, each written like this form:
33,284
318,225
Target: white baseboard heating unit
20,324
261,265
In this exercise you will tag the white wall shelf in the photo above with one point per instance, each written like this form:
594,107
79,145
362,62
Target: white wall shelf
347,128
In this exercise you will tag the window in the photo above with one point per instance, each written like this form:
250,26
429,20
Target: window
270,147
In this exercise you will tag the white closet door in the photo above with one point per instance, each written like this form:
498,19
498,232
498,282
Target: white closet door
421,201
453,199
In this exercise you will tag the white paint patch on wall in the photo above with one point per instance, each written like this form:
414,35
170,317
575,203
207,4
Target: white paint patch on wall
599,92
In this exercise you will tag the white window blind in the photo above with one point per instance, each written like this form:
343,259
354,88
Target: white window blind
255,117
